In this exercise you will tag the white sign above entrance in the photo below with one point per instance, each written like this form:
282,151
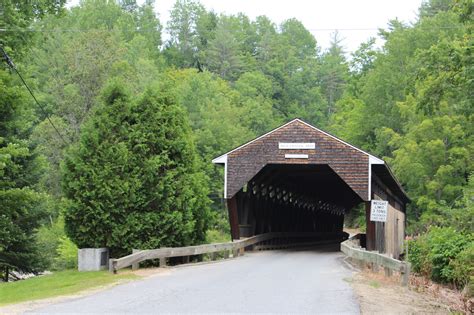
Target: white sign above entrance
296,156
296,145
378,210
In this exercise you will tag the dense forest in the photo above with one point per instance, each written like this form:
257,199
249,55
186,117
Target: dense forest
117,103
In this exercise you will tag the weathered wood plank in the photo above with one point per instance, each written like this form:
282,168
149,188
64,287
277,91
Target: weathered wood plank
374,258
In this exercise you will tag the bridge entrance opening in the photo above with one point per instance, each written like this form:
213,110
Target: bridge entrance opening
298,179
294,198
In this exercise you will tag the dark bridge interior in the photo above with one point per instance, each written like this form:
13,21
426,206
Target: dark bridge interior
294,198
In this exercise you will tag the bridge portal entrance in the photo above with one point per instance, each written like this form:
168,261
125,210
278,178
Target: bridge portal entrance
298,178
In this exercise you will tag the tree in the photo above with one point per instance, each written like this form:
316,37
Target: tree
133,178
334,73
17,16
289,58
256,100
182,48
223,55
70,68
19,172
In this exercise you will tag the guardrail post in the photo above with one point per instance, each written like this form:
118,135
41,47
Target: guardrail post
162,262
135,266
226,254
388,272
375,267
235,253
213,256
185,259
112,266
405,272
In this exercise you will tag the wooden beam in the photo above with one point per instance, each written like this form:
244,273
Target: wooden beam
370,228
233,218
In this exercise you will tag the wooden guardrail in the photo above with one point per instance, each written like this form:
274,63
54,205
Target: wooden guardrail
236,247
353,250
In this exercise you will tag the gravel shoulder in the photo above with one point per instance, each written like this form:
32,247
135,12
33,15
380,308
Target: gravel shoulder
378,294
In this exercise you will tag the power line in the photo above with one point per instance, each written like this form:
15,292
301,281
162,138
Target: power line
56,30
12,66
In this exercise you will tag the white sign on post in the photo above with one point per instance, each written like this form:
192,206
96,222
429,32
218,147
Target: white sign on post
378,210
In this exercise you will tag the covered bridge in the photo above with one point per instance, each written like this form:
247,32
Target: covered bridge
298,178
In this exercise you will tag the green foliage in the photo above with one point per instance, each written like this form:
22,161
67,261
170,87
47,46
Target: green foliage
222,56
186,19
217,236
48,237
19,218
20,169
133,178
463,268
442,254
17,17
57,251
356,218
66,254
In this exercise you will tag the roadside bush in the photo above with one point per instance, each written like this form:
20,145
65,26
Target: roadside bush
66,255
463,269
58,251
418,256
48,237
444,255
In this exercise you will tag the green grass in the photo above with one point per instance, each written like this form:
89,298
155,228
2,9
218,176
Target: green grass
58,283
374,284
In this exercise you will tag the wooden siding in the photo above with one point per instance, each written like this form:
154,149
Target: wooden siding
390,234
349,163
394,232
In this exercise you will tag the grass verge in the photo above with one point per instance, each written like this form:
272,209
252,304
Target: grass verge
56,284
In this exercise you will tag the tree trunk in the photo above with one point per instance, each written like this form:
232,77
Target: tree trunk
5,276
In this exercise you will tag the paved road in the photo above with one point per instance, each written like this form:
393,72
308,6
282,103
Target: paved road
296,281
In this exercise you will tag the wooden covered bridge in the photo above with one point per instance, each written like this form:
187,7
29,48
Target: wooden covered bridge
298,178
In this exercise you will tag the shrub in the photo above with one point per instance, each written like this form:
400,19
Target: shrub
48,238
418,256
463,268
443,254
66,254
57,250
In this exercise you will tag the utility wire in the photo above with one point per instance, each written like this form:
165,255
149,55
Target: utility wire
12,66
343,29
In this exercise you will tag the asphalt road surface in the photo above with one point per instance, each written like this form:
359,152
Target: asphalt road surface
312,281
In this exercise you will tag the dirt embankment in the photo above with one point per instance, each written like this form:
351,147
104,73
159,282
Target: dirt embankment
381,295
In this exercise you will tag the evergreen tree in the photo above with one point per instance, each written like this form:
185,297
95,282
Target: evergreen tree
133,178
222,56
334,73
182,48
20,206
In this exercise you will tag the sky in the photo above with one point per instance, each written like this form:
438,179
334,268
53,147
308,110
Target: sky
355,20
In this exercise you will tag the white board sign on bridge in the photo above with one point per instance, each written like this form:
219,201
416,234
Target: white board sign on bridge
378,210
296,145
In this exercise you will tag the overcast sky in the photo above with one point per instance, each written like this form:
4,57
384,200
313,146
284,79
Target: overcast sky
356,20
